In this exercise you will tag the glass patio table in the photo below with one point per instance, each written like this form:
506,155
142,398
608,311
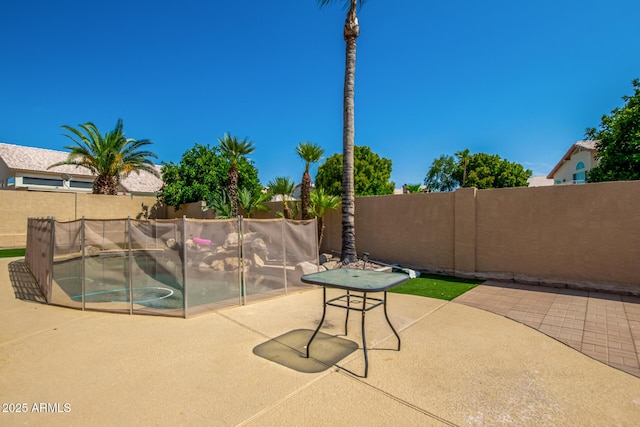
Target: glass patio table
363,282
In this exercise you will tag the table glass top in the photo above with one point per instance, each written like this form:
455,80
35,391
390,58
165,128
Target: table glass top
357,280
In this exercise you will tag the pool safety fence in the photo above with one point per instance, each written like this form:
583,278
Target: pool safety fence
181,267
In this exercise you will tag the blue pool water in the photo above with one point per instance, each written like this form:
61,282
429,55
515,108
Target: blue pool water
156,282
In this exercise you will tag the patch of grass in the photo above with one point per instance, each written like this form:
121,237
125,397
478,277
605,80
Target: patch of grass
10,253
435,286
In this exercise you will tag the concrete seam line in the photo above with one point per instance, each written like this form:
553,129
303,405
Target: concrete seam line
284,399
352,357
445,303
249,328
399,400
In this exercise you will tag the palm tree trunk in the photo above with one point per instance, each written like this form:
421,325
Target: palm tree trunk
351,31
105,184
304,194
286,212
320,225
233,190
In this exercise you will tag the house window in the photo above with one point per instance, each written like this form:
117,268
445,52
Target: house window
580,177
80,184
42,181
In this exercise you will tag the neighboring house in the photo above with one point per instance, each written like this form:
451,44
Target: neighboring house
574,165
25,168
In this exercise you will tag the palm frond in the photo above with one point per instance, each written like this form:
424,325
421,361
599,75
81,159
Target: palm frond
347,3
251,202
309,153
109,156
220,204
321,202
233,148
281,186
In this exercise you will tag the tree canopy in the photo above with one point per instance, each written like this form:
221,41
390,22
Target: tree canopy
371,174
202,174
482,171
440,176
110,157
491,171
618,142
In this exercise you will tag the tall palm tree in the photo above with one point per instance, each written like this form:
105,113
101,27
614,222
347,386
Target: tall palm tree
310,153
351,32
234,149
320,203
110,157
282,186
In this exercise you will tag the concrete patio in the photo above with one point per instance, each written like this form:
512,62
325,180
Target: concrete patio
459,365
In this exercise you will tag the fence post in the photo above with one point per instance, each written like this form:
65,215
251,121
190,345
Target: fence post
284,256
83,269
26,249
53,248
315,239
129,264
242,298
184,265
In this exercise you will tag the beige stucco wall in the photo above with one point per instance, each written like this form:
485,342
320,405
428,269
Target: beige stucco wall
567,233
17,206
465,232
563,234
190,210
412,229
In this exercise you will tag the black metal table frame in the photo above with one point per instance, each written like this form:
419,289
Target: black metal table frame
375,302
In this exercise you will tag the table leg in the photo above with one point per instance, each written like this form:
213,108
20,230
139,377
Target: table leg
324,312
388,321
364,338
346,320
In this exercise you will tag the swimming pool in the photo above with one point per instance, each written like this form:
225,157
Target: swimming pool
170,267
152,284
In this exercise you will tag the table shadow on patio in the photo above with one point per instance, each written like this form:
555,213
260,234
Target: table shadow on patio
289,350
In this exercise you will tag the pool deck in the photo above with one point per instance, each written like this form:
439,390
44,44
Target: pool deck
459,365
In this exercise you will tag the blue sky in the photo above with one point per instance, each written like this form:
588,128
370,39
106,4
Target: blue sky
519,79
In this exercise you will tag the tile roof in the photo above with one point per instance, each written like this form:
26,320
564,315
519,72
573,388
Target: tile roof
18,157
142,182
23,158
586,145
539,181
